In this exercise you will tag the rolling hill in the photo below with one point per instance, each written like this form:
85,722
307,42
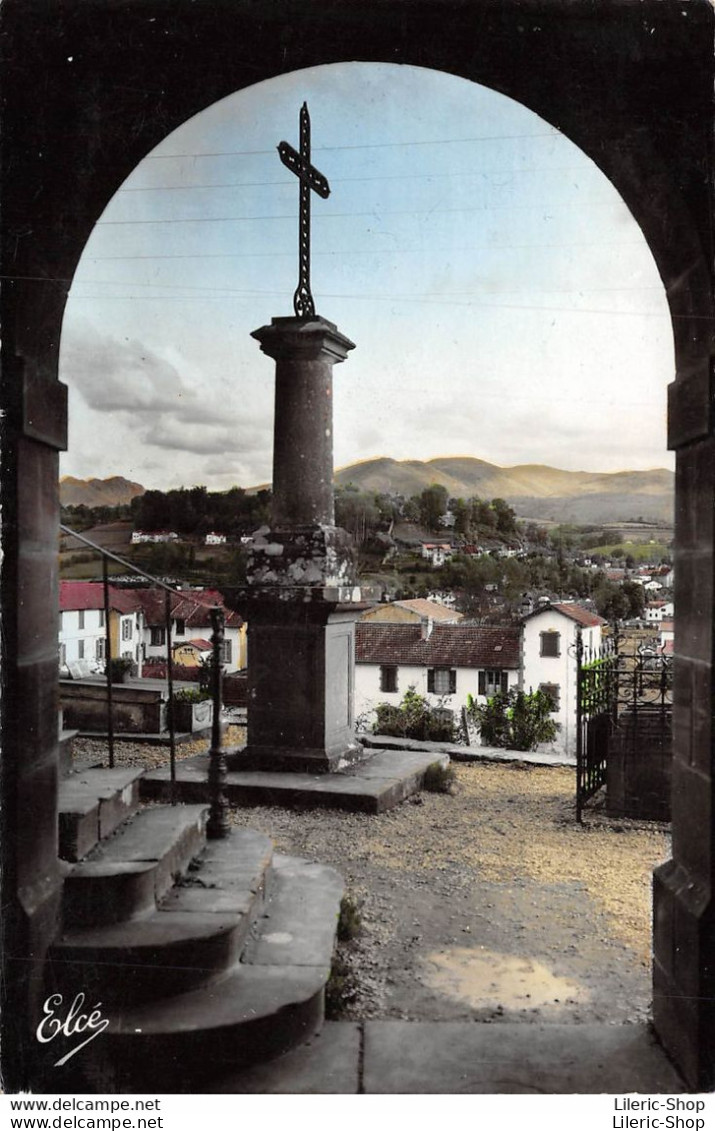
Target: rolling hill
113,492
534,490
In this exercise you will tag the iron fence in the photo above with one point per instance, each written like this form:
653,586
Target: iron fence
217,767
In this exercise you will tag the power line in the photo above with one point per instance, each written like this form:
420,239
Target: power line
545,169
363,251
367,145
379,212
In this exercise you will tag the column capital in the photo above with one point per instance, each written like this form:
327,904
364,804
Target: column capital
303,339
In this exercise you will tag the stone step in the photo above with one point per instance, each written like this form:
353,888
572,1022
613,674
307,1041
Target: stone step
91,805
381,781
130,873
268,1003
66,743
198,931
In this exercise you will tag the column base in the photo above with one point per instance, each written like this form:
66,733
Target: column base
288,760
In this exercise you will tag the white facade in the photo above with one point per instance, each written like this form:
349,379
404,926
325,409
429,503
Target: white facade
213,539
549,663
154,641
369,680
82,636
659,611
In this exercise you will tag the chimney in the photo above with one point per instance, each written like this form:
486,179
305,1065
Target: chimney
427,626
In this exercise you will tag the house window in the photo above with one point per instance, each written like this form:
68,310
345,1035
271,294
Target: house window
80,614
226,652
80,649
158,637
101,618
550,643
388,677
553,691
100,648
492,681
442,681
127,632
180,627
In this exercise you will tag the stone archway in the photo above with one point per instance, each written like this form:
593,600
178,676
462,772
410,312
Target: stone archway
630,83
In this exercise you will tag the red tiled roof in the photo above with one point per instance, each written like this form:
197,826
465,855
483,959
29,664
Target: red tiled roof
448,645
75,595
571,610
192,607
201,645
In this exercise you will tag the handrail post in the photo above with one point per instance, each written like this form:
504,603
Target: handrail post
108,663
170,704
217,826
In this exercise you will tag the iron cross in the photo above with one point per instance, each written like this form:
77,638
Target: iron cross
310,178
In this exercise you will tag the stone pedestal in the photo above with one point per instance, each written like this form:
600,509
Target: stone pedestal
301,571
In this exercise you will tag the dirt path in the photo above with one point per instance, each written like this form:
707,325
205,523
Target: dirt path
492,903
488,904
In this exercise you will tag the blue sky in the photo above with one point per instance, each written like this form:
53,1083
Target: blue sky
503,302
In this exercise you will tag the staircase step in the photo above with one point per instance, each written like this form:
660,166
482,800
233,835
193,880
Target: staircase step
66,743
268,1003
198,931
128,874
91,805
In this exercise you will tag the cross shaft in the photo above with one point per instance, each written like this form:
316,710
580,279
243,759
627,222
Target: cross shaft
311,180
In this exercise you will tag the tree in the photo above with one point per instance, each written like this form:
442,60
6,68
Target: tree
516,720
433,504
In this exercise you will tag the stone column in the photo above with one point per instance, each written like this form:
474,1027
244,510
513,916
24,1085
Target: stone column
305,352
683,907
301,573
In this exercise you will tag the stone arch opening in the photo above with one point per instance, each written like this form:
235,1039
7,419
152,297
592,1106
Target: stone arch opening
629,84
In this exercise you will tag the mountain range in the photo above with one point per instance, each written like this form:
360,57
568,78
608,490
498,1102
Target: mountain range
533,490
114,492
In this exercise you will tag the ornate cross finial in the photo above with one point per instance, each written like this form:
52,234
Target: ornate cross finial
310,178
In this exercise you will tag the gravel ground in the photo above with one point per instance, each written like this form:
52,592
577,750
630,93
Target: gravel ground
490,903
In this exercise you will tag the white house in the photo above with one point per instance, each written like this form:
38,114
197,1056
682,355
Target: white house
549,638
657,611
82,625
139,536
437,553
190,622
443,662
214,539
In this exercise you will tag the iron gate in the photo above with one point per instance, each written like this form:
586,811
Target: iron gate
621,698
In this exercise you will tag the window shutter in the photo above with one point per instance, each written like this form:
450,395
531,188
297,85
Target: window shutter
430,679
452,681
504,682
482,683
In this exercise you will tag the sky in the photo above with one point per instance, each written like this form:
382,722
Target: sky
502,299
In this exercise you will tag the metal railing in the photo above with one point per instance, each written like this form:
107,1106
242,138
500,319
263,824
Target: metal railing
218,824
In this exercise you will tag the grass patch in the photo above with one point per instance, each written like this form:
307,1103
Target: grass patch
349,920
439,778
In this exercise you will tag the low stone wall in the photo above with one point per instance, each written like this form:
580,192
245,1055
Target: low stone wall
135,709
638,782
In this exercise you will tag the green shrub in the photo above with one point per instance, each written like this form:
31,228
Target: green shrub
349,921
439,778
414,718
516,720
190,695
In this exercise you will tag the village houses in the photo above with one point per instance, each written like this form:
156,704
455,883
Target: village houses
138,627
448,662
82,626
